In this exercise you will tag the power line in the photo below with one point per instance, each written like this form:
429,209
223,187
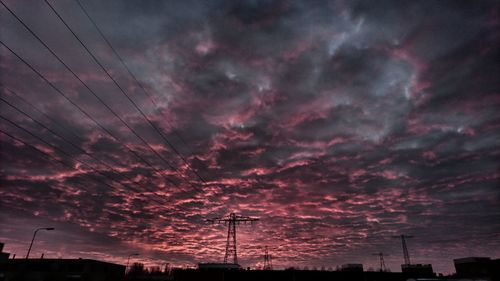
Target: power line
86,86
142,88
74,159
53,121
52,146
48,156
41,112
158,131
85,113
77,147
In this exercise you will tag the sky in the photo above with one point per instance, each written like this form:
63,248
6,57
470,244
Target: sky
338,124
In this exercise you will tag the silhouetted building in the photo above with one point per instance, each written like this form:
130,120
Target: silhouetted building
352,267
60,270
475,267
3,256
417,270
285,275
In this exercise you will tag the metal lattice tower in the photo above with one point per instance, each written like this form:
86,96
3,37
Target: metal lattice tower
232,220
268,263
405,248
382,262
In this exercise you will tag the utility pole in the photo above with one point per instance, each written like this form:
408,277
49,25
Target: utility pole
231,222
268,262
382,262
128,260
33,239
406,255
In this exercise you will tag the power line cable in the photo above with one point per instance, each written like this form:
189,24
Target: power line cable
88,88
56,123
49,157
52,146
86,114
158,131
53,121
43,113
146,93
77,147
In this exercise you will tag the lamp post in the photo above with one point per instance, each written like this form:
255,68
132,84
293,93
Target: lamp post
128,260
33,239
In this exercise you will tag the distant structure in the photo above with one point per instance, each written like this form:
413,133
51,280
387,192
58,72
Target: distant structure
60,269
232,220
382,262
406,255
268,263
3,256
416,270
352,267
477,267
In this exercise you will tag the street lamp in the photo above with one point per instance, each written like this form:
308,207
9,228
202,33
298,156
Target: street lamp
128,260
33,239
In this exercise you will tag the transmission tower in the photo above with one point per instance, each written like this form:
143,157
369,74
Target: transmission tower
382,262
232,220
405,248
268,261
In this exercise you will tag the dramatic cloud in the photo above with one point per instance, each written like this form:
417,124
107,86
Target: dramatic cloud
338,123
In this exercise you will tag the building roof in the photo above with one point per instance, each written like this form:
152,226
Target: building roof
471,259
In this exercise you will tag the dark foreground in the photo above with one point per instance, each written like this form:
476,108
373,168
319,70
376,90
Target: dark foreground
298,275
468,269
291,275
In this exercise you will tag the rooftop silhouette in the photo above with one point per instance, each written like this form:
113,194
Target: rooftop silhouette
42,269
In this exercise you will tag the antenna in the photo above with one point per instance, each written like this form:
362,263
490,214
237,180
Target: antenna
268,262
382,262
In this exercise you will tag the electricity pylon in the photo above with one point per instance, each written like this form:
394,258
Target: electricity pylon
382,262
231,222
268,262
405,248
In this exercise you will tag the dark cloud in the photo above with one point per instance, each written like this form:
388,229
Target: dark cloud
338,123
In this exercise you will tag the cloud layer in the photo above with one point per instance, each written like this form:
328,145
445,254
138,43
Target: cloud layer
337,123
